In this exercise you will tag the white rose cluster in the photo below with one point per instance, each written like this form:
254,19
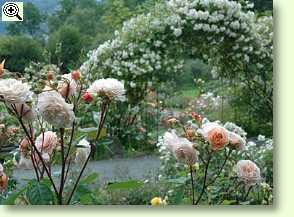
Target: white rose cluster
53,109
15,91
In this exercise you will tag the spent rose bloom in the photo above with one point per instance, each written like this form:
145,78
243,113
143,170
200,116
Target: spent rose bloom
24,145
67,87
46,143
53,108
248,172
15,91
236,141
109,87
83,151
216,135
181,148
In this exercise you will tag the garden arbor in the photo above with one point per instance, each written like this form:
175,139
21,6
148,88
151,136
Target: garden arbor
151,48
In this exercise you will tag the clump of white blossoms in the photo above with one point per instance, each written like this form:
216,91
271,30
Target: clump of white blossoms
109,87
53,108
181,148
15,91
83,151
248,172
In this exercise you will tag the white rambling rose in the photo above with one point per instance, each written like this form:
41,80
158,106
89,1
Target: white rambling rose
53,108
14,91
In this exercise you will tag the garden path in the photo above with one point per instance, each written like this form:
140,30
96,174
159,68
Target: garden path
110,170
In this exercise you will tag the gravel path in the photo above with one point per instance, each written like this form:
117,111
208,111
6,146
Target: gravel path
109,170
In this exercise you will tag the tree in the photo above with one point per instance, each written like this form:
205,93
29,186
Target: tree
19,51
31,23
65,47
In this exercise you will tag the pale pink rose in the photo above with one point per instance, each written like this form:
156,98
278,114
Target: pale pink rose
181,148
216,135
236,141
47,143
248,172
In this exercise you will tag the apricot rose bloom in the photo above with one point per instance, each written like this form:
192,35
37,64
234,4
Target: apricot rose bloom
46,143
248,172
216,135
53,108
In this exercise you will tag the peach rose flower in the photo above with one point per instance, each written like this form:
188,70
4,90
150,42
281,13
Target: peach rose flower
48,143
216,135
218,138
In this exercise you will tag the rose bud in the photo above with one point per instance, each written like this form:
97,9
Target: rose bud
87,97
3,182
2,68
50,76
76,75
196,116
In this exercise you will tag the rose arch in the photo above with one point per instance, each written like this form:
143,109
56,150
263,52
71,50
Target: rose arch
151,47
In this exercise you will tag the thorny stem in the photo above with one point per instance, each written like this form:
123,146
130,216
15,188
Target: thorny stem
205,178
221,168
102,120
247,193
192,185
39,154
63,166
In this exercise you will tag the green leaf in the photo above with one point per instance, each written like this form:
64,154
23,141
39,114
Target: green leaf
229,202
125,185
180,180
12,197
91,132
40,194
90,179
